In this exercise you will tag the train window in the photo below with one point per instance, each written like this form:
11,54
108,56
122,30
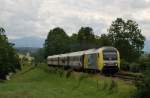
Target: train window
110,56
63,61
110,50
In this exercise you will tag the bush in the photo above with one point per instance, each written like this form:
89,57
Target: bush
143,88
135,67
144,61
124,65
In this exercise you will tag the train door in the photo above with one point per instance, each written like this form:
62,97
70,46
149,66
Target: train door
92,61
82,60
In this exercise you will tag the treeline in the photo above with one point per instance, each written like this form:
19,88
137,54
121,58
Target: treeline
124,35
9,60
59,42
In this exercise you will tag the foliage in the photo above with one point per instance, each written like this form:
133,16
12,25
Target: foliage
135,67
143,88
124,65
104,40
74,44
144,61
38,56
86,38
57,42
9,60
141,64
127,38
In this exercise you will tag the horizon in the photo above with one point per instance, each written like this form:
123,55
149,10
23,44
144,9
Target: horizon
31,41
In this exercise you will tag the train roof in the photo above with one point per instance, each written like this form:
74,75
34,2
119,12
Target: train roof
79,53
53,56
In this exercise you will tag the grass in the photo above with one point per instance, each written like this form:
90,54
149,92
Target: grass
43,83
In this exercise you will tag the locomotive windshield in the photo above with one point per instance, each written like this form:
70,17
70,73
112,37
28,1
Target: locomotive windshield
110,55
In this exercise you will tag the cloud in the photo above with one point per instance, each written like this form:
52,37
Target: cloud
23,18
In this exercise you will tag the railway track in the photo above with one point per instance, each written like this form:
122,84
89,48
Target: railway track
128,76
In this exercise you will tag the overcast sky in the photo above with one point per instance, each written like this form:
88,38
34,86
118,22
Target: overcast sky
23,18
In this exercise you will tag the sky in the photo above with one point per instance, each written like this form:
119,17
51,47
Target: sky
25,18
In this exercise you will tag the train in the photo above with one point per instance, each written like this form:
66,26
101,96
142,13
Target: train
104,59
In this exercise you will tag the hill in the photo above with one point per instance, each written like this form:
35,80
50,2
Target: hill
147,46
40,82
24,50
28,42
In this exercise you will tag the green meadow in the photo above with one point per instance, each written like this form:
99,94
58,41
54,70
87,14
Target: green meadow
43,82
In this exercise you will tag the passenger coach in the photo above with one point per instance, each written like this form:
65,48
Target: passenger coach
105,59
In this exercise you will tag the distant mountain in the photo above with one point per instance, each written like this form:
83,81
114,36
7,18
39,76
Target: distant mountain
24,50
28,42
147,46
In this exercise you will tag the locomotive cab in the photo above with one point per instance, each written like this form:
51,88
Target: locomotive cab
111,60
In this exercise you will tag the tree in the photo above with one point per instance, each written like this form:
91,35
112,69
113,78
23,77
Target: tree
38,56
86,38
104,40
74,44
2,31
127,38
57,42
9,60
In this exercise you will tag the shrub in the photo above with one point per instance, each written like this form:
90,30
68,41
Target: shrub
135,67
143,87
124,65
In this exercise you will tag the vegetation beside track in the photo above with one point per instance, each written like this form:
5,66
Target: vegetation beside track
39,82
